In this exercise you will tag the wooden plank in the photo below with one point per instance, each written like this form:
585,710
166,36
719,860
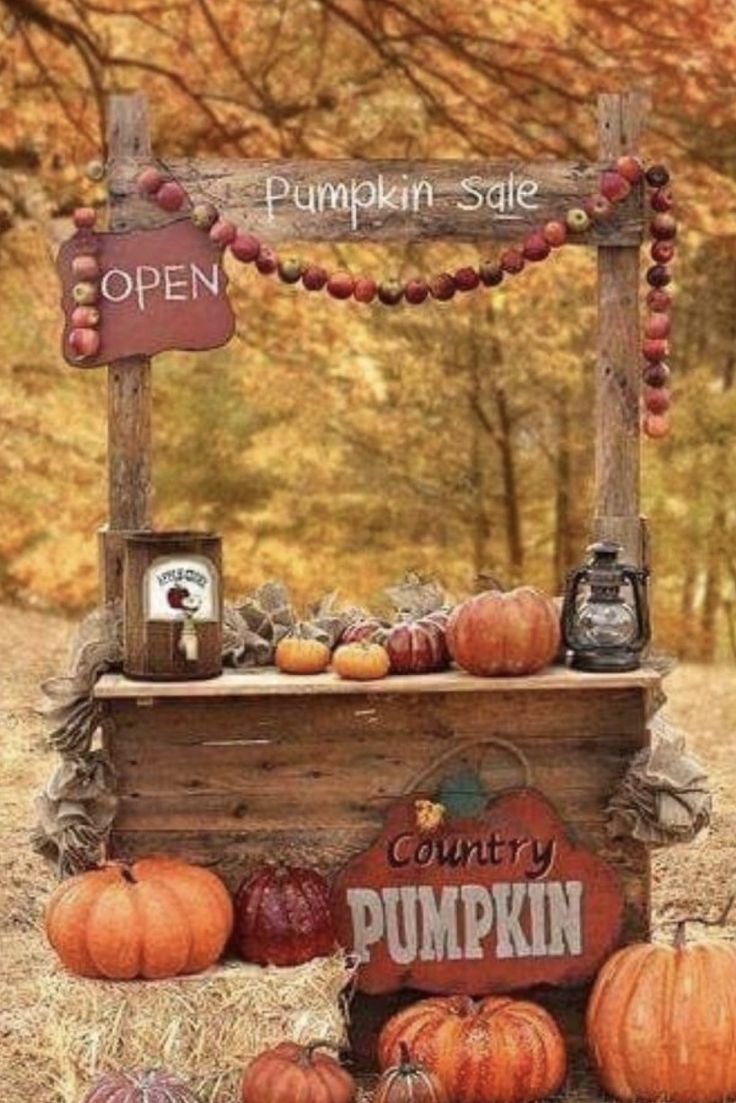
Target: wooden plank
129,380
618,377
397,200
270,682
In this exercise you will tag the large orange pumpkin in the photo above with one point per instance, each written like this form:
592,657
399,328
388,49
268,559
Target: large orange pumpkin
156,918
290,1073
662,1022
504,633
497,1051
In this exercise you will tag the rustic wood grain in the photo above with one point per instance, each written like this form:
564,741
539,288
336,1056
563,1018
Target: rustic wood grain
237,188
618,385
267,681
129,380
151,649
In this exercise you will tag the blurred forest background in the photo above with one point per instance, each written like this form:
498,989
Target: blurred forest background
335,445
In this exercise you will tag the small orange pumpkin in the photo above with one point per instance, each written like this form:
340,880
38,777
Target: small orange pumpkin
661,1022
361,662
291,1072
301,655
497,1051
408,1082
159,917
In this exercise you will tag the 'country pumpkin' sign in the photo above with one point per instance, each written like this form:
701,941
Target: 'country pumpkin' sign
142,293
490,903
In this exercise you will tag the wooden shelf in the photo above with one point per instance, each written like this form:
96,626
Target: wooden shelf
269,682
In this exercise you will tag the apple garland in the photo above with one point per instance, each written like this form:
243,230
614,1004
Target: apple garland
615,186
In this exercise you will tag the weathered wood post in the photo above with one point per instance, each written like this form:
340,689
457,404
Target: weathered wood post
618,386
129,380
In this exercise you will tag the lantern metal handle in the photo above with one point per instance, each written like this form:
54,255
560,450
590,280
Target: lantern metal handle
638,577
574,579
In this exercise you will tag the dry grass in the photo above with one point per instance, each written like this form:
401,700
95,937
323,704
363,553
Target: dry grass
687,880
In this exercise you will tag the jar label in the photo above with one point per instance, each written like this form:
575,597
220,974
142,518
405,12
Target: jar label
181,586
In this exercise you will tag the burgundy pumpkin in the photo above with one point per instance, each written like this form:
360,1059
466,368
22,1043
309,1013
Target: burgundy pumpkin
418,645
283,917
365,629
140,1086
291,1073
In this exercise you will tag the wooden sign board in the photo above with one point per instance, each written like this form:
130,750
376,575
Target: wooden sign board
403,200
157,290
492,903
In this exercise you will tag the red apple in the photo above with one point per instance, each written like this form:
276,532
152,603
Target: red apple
85,317
598,207
85,267
656,426
663,226
314,277
416,291
654,348
662,251
536,247
512,260
657,176
630,168
245,247
364,290
658,275
659,300
170,196
84,343
662,200
341,285
657,400
656,375
442,287
614,186
223,232
267,262
466,279
555,233
84,218
150,180
657,325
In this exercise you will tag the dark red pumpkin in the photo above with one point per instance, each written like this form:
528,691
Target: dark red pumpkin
365,629
291,1073
283,917
418,645
140,1086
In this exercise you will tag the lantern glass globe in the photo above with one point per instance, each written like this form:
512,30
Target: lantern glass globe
609,624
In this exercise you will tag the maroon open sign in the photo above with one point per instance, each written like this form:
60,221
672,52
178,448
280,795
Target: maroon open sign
156,290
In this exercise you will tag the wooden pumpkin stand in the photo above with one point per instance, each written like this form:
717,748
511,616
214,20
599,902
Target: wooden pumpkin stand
257,765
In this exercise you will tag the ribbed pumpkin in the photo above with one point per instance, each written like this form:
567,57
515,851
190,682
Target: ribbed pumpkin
417,645
290,1073
140,1086
497,1051
159,917
300,655
662,1022
283,916
497,633
408,1082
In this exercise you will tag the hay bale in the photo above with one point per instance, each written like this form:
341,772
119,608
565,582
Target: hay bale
206,1027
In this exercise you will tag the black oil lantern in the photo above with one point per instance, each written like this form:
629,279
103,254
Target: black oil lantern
604,630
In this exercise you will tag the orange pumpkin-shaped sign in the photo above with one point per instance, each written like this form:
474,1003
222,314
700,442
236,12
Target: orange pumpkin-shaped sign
159,917
494,902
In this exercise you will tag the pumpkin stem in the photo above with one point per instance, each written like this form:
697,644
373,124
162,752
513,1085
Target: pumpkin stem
127,874
680,929
310,1048
405,1060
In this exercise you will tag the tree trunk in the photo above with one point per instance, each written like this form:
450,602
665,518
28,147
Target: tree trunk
564,553
504,440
